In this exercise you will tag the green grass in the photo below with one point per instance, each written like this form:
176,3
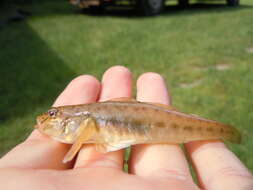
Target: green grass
41,55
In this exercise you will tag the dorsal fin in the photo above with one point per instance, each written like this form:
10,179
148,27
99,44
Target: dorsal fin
127,99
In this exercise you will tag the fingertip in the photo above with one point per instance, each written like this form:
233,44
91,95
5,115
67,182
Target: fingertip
82,89
149,76
85,80
152,87
117,70
116,82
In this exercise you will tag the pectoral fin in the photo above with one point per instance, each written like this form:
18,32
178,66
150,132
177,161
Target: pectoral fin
87,129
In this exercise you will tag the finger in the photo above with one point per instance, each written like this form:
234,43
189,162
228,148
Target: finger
162,161
217,167
83,89
40,151
116,82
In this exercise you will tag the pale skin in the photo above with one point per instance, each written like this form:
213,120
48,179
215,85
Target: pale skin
37,162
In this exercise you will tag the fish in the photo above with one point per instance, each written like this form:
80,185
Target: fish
119,123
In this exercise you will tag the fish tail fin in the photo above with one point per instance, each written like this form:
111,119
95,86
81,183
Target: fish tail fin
233,135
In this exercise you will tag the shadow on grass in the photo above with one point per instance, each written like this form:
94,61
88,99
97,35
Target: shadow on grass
37,8
197,8
31,74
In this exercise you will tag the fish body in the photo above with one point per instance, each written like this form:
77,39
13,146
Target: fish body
114,125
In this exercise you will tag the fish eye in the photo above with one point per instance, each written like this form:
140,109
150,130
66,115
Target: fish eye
52,112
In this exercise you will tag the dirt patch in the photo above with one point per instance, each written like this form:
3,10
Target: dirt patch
191,85
249,50
223,67
219,67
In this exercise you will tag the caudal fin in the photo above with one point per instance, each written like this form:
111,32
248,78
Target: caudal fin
232,134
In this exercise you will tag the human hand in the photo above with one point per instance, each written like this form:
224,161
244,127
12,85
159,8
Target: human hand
37,162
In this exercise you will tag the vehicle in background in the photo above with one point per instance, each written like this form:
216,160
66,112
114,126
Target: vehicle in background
146,7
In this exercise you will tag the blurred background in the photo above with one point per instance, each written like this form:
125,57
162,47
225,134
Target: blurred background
204,51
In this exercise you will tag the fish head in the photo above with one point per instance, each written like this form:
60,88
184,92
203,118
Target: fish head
58,125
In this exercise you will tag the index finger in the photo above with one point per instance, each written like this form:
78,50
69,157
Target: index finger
41,152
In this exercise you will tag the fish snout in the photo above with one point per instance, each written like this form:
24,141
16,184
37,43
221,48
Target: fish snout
40,122
40,119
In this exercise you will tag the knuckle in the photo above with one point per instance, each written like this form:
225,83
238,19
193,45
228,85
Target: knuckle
172,174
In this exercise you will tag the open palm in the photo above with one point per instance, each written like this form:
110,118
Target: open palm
37,162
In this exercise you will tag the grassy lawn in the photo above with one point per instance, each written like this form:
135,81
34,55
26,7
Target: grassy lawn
203,52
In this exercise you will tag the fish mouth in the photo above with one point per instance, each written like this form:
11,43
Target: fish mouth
40,120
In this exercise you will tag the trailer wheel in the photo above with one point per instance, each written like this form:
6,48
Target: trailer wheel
183,3
97,8
150,7
233,2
